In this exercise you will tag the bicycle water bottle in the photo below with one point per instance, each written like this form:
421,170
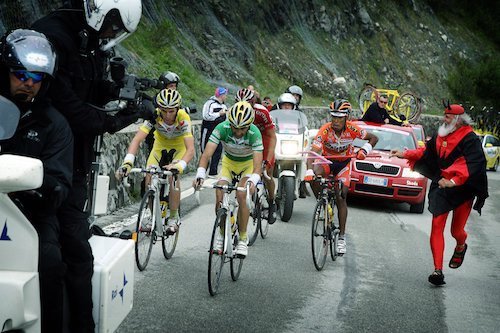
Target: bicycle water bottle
164,208
330,212
233,222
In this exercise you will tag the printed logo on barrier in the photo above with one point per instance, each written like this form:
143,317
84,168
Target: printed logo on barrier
3,235
120,292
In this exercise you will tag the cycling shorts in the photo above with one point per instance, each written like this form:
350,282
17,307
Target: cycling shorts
230,167
155,155
341,170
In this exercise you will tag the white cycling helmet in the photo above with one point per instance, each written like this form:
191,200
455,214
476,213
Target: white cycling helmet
125,14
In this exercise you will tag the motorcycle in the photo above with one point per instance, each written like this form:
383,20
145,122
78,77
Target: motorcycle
292,138
113,279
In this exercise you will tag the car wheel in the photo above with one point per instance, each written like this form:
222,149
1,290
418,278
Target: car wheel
418,208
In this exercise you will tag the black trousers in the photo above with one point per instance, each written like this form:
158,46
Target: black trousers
77,255
206,131
51,273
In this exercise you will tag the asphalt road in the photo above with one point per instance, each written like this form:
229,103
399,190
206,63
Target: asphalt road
380,285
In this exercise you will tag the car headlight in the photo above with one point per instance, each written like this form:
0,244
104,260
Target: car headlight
289,147
408,173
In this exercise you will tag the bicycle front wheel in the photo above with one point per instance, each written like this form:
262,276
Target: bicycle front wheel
168,244
216,257
254,221
319,237
144,230
236,263
366,97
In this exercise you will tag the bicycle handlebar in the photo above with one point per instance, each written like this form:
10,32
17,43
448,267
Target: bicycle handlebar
229,188
152,171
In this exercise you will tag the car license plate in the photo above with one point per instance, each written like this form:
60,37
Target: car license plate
375,181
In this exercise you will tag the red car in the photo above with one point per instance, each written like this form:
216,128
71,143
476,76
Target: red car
382,176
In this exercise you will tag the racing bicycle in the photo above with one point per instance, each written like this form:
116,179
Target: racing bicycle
407,104
259,214
225,225
151,220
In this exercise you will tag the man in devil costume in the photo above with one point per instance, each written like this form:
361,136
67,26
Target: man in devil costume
454,161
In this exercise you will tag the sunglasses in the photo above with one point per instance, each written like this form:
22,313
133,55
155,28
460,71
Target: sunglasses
382,102
24,76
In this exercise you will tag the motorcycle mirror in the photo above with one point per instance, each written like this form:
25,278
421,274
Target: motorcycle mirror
9,118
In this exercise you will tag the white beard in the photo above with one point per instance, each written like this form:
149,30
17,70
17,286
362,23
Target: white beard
446,129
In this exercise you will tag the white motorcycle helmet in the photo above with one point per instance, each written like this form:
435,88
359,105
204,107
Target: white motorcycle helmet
129,12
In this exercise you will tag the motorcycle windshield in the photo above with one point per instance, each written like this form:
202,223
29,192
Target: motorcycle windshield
289,121
9,118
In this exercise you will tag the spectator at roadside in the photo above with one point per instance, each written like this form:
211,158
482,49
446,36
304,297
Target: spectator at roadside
454,161
377,113
268,103
214,112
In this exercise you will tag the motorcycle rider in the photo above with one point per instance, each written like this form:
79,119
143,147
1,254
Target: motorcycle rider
27,66
296,91
82,34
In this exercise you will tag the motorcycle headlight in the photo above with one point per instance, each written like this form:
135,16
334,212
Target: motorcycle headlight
408,173
289,147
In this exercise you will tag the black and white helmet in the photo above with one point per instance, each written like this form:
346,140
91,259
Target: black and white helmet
122,16
244,95
169,77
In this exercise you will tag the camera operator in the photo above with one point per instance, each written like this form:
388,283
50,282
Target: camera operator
83,34
27,65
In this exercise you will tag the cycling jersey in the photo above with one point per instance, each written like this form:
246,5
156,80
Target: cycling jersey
264,122
168,136
237,149
332,145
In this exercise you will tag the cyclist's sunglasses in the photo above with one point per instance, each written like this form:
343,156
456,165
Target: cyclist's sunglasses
24,76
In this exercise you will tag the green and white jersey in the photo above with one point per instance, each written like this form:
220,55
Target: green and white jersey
237,149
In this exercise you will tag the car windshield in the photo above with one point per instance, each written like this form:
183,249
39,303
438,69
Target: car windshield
392,139
418,133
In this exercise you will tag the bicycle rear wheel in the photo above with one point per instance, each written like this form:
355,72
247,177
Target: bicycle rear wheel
264,220
319,237
236,263
254,220
145,233
409,105
215,258
366,97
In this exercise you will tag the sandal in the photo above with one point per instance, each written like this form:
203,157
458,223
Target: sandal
458,258
437,278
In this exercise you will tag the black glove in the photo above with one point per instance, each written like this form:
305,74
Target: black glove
120,120
147,110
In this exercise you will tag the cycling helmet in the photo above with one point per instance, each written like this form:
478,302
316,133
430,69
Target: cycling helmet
168,99
169,77
119,14
287,98
244,95
241,114
340,108
28,50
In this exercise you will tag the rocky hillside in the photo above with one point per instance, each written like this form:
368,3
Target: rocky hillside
329,48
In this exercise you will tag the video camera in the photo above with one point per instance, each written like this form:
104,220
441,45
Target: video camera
131,87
